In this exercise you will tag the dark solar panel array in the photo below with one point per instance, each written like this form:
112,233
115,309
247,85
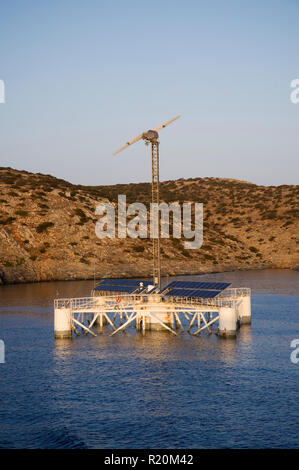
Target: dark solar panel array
126,289
198,293
197,285
190,289
121,285
124,282
193,289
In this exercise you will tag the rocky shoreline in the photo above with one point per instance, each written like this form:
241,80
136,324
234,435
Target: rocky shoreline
132,273
47,229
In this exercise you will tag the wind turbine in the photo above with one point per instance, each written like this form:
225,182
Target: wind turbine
151,137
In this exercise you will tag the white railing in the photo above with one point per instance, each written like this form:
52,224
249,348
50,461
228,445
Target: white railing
216,302
79,302
236,292
95,303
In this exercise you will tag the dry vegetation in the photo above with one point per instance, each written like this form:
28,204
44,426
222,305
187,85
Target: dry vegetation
47,228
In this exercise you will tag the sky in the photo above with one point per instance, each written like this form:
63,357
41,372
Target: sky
82,78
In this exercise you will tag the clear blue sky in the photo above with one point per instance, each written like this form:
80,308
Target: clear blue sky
82,77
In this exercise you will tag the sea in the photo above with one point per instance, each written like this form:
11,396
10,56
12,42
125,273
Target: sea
156,391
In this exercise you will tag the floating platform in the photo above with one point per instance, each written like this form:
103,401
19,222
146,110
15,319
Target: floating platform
180,306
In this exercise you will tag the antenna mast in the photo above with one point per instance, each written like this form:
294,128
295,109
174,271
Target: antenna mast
156,199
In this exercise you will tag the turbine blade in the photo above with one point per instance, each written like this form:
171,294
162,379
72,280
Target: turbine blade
130,142
165,123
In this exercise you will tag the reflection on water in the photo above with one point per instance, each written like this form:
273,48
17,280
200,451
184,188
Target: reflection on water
152,391
245,335
63,348
154,346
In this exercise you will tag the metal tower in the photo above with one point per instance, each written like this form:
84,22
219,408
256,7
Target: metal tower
151,137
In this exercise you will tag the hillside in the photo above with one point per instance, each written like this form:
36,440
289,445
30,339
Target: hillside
47,229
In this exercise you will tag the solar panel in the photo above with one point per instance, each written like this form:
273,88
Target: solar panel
215,286
129,286
195,294
191,289
208,294
126,289
174,292
124,282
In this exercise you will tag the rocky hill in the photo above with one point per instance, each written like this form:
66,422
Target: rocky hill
47,229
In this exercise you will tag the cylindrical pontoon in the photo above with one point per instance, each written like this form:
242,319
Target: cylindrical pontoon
227,322
244,310
62,323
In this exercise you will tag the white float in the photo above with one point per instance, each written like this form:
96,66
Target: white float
62,323
244,310
227,322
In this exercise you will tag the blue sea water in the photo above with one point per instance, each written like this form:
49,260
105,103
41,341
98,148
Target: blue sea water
152,391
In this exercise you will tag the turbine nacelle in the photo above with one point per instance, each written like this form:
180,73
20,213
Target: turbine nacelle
151,136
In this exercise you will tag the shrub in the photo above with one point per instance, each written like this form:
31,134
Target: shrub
22,213
208,257
7,264
80,213
7,221
44,226
206,247
176,242
138,248
185,253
